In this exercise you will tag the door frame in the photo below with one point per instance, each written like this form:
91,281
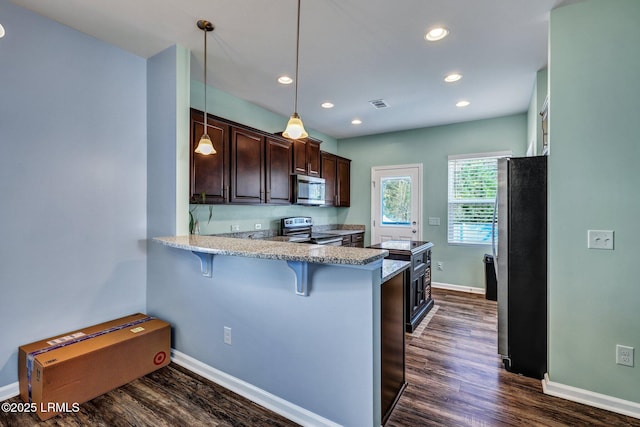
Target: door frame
418,192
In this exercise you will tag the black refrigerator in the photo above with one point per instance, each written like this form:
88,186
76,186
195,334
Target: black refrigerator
521,264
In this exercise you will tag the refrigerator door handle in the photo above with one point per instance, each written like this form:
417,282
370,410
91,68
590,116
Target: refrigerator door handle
493,235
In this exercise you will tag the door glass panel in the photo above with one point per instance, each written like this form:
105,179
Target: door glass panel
396,201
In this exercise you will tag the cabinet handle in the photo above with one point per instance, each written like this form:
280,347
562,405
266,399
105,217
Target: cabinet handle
309,167
226,194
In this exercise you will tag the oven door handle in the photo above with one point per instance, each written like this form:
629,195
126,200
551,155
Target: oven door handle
329,241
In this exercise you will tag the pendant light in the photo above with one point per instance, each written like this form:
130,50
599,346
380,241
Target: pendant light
205,146
295,128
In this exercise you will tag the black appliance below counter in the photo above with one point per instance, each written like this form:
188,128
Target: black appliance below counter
418,299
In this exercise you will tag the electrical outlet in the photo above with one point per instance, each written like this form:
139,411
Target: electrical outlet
600,239
434,220
235,227
227,335
624,355
258,226
440,265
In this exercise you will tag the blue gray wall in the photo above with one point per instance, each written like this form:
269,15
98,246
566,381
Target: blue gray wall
431,146
72,182
594,295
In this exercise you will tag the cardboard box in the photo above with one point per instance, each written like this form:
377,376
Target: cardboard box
59,373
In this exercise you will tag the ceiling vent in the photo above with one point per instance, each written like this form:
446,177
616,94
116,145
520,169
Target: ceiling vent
379,103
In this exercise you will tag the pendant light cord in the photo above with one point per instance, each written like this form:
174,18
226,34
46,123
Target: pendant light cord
204,30
295,107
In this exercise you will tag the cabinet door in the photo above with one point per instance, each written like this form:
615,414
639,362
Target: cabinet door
313,158
343,182
329,172
306,157
412,301
278,171
247,167
392,343
209,173
299,157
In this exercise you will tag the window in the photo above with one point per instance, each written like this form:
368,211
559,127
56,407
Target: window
473,183
396,200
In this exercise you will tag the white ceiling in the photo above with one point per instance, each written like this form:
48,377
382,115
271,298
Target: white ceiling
351,52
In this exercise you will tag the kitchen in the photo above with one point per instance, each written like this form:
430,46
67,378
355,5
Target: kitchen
115,272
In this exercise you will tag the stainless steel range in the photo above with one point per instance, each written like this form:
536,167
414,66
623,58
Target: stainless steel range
299,229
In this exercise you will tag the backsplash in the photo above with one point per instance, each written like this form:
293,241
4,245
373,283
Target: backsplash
246,217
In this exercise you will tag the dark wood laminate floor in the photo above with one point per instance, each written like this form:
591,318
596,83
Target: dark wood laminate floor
454,374
171,396
456,378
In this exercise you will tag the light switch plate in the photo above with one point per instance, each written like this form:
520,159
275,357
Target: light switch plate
434,220
600,239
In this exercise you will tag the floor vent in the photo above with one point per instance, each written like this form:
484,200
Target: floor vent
379,103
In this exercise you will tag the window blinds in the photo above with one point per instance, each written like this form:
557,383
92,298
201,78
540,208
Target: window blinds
473,182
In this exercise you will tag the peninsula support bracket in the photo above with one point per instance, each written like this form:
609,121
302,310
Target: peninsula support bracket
301,269
206,263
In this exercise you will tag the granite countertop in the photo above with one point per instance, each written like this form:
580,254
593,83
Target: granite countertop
403,245
391,267
267,249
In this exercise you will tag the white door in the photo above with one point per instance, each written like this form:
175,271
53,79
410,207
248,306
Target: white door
396,203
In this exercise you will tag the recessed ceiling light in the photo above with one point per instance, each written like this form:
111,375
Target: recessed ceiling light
453,77
1,31
462,104
285,80
356,122
326,105
436,34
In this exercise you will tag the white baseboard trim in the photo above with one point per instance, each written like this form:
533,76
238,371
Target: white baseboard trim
459,288
270,401
602,401
8,391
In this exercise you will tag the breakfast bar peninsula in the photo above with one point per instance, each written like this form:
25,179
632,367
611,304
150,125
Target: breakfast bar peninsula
292,326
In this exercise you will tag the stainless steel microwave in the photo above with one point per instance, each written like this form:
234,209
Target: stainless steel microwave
308,190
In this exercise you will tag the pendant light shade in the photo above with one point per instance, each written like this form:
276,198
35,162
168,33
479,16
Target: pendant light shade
295,128
205,146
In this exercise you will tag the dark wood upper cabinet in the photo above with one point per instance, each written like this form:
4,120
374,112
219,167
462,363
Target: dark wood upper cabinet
278,170
254,167
328,163
247,166
209,174
343,182
306,157
336,172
